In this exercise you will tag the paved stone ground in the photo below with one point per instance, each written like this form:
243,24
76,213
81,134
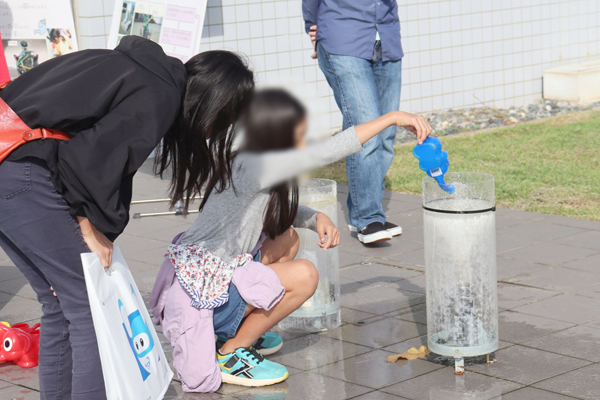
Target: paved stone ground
549,299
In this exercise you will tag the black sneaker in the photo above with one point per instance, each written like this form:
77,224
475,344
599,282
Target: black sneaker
374,232
393,229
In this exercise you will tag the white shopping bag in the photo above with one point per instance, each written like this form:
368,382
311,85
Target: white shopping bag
134,365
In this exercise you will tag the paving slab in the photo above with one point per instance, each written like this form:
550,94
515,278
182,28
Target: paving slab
416,313
579,341
20,309
25,377
507,242
382,299
416,257
516,327
443,384
556,278
305,386
529,393
537,231
377,395
415,284
350,316
19,287
507,268
565,307
5,384
591,291
372,369
8,271
511,296
378,332
19,393
414,233
312,351
375,273
549,273
574,222
526,365
588,240
397,245
350,259
590,264
549,253
583,383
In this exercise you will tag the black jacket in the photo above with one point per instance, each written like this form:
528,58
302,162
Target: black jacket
118,104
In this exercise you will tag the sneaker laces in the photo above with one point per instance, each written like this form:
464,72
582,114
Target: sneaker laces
251,351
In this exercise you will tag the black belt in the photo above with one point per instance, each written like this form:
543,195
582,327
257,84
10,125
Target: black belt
460,212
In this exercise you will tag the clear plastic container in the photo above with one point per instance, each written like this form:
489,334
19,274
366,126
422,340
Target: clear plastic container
460,259
322,311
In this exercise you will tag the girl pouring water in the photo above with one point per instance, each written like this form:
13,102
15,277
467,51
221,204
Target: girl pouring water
233,272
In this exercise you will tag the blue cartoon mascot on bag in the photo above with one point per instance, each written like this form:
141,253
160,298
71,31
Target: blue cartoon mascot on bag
138,334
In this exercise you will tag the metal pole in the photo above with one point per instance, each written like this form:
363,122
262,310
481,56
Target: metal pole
178,208
161,200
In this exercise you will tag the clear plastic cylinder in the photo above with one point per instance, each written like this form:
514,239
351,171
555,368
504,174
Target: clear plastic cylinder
322,311
460,265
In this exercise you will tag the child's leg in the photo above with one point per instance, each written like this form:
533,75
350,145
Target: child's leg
298,277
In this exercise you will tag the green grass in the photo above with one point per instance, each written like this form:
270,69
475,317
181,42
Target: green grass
551,167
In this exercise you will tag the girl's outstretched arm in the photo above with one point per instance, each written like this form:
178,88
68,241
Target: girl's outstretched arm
263,170
414,123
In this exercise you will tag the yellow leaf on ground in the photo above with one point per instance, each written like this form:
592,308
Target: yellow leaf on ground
411,354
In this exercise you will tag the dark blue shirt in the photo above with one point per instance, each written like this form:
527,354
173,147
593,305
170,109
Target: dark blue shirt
349,27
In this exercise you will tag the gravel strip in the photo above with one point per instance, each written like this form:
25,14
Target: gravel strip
452,121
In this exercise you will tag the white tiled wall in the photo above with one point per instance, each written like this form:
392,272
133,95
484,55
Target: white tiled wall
458,52
94,19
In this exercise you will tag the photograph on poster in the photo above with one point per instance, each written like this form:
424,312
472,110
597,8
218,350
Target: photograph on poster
23,55
175,24
126,18
147,26
58,42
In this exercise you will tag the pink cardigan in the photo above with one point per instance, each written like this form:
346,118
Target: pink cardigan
190,330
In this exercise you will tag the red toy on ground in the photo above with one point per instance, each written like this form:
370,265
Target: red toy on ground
20,344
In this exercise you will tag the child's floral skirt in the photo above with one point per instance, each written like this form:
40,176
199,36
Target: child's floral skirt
204,275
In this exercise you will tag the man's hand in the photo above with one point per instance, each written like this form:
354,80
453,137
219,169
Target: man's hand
96,241
328,234
313,39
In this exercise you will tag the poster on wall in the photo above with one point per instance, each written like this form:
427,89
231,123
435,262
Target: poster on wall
34,31
174,24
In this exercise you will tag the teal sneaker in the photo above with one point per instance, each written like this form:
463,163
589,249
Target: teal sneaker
246,367
267,344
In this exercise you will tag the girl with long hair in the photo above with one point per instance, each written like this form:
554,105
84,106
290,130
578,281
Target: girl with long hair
234,272
61,198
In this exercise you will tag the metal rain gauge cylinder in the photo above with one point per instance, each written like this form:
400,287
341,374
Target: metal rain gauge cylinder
322,311
460,260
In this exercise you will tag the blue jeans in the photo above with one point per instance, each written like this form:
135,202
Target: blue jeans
44,241
365,90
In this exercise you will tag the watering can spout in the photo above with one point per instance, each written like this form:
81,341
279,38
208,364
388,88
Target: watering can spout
446,188
434,161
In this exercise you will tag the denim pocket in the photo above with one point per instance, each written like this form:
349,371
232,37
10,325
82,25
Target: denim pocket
15,178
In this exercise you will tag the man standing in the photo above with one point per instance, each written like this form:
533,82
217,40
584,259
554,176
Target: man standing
357,43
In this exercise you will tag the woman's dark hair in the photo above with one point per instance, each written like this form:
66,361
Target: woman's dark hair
198,144
270,124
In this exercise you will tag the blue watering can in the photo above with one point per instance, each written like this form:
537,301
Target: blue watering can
434,161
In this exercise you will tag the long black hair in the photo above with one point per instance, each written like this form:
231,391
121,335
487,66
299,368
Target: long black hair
270,124
198,144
